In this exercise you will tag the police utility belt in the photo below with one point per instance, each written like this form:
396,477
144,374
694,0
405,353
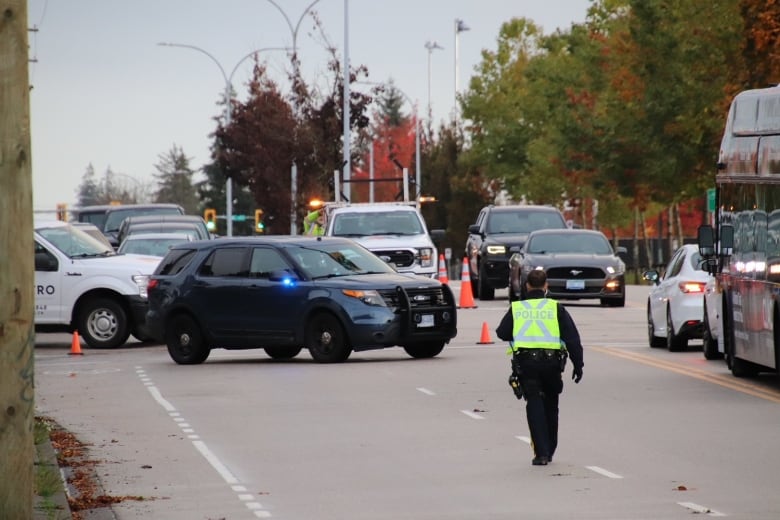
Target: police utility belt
540,354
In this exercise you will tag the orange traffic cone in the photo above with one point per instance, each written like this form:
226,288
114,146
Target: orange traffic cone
75,344
485,338
466,298
443,278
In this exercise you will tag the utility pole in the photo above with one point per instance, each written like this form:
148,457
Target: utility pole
17,330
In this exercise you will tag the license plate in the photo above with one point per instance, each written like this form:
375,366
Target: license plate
575,285
426,320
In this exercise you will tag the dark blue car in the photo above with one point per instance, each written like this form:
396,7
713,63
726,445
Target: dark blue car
285,293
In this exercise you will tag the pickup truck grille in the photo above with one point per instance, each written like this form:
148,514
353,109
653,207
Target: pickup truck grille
398,257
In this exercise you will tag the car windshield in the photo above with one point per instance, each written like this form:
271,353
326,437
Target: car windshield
697,262
330,260
575,243
74,242
149,246
522,221
115,217
377,223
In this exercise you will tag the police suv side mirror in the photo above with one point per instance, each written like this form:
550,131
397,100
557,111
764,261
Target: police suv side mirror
474,229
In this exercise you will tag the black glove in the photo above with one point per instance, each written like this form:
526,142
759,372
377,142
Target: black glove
576,374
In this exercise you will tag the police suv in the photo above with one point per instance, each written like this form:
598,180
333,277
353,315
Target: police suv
81,284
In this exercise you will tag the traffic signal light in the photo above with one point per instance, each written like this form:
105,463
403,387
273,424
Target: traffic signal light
259,226
210,216
62,212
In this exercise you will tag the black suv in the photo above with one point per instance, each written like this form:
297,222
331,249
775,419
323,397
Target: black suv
284,293
498,232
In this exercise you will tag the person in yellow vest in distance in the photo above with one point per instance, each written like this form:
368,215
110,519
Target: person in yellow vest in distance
541,334
314,223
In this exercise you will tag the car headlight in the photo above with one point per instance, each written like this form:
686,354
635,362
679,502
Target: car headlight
426,257
616,269
496,250
367,297
527,268
141,280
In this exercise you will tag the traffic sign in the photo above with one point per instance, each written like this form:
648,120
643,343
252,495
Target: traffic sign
711,200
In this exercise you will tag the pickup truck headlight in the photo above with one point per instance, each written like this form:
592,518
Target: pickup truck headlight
367,297
426,257
141,280
496,250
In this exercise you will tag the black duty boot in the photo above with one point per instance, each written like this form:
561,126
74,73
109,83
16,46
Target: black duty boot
540,460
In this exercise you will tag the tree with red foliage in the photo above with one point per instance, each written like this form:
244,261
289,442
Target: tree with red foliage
393,142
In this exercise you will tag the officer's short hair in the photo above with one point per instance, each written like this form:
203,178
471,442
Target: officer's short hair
536,279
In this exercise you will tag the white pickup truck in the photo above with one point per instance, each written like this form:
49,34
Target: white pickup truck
394,231
81,284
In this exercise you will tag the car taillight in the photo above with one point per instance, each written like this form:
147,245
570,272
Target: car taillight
151,285
691,287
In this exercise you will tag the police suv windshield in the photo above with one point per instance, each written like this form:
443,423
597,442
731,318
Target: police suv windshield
74,242
329,260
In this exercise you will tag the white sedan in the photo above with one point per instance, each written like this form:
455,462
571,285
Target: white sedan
675,305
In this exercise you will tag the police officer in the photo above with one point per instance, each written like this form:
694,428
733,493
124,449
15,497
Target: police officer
540,332
314,223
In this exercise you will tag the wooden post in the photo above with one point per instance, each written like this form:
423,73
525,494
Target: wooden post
17,328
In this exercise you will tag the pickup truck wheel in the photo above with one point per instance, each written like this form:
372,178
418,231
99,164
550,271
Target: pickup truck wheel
282,352
326,340
185,341
424,350
103,323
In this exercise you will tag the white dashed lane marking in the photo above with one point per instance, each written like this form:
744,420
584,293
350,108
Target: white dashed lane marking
247,498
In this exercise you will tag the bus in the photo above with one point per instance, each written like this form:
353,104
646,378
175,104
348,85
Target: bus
742,248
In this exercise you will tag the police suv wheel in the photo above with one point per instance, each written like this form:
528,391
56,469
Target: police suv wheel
282,352
103,323
326,340
185,341
424,350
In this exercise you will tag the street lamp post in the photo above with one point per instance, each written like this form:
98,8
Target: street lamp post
460,26
296,74
228,99
431,46
347,134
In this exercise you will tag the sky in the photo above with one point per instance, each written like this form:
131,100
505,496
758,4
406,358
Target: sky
104,93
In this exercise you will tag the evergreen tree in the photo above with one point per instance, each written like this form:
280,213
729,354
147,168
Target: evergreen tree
87,194
174,181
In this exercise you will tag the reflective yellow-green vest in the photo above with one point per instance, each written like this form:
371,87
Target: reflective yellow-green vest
535,325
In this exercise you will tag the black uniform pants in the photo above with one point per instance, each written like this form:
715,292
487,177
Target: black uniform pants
542,384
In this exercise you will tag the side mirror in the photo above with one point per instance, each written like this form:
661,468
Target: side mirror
705,237
285,276
650,276
437,234
474,229
726,240
621,250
